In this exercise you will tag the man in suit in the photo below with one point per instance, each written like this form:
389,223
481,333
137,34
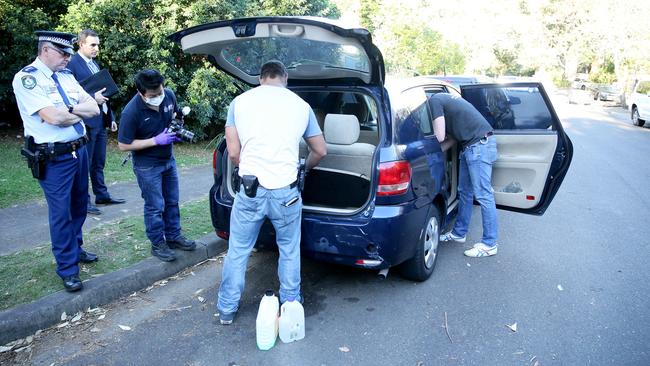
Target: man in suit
83,65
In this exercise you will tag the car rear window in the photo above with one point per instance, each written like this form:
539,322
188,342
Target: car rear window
249,55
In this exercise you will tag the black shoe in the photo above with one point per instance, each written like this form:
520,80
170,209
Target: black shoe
162,251
109,201
87,257
182,243
72,283
93,210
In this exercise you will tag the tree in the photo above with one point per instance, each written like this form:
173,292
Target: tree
18,21
134,36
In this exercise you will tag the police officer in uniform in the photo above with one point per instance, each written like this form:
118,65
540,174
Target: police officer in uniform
52,106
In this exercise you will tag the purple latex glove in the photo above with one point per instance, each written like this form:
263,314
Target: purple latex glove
165,138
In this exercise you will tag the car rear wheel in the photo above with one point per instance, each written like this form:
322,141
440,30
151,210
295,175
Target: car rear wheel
636,120
420,267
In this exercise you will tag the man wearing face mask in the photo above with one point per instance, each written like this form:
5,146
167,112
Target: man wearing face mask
143,131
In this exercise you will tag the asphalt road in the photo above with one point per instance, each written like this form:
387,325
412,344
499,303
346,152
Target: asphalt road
574,280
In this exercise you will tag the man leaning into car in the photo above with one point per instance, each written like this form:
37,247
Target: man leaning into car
263,132
456,117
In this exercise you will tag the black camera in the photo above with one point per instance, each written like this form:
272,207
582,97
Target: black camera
177,127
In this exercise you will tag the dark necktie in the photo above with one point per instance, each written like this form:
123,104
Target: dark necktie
77,126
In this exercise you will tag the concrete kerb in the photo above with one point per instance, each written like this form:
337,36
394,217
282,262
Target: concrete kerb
24,320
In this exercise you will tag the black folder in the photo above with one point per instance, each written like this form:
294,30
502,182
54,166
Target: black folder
98,81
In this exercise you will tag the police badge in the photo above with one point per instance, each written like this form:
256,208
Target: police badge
29,82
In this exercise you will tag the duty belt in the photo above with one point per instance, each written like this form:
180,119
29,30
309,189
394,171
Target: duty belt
60,148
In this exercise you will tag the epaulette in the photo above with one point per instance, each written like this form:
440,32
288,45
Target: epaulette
29,69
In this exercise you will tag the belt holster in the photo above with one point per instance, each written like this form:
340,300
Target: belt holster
35,158
302,175
235,180
250,183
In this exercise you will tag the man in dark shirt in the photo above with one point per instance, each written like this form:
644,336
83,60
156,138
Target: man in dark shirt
143,131
455,116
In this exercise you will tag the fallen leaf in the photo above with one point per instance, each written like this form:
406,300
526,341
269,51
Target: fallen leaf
64,316
469,265
559,287
63,325
512,327
22,349
198,291
133,294
518,353
4,349
95,330
192,273
101,317
344,349
124,327
77,317
201,299
29,339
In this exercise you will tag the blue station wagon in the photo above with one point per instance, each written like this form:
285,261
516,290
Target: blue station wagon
385,190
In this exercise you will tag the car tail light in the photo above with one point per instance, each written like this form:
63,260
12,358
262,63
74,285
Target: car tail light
394,178
214,162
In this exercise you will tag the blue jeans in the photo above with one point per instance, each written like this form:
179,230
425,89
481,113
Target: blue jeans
66,190
475,182
159,186
246,219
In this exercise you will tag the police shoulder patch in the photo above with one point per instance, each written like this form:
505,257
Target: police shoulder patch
29,69
29,82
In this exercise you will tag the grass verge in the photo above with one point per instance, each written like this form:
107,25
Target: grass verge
18,186
30,274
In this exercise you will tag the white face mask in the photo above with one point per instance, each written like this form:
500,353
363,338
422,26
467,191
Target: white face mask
155,101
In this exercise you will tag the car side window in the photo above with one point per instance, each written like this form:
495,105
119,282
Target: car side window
416,103
511,108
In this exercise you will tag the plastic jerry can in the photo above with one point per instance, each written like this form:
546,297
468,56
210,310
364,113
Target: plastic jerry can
266,325
292,321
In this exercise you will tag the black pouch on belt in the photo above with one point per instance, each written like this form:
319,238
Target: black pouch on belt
250,183
35,159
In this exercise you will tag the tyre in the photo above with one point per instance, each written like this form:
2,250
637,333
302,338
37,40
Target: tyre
583,87
420,267
635,118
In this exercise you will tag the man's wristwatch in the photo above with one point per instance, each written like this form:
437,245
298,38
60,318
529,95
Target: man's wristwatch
70,108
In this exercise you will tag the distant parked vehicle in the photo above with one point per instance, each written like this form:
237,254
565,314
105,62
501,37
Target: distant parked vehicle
640,102
607,93
581,83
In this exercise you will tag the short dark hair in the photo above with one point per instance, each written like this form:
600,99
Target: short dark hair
148,80
85,34
273,69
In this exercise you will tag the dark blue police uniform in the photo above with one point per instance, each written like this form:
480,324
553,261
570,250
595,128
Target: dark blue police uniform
65,179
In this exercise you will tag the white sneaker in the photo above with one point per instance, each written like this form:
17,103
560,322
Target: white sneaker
449,236
481,250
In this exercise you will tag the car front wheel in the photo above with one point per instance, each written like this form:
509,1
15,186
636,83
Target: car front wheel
636,120
420,267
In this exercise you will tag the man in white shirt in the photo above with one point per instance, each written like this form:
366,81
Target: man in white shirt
263,132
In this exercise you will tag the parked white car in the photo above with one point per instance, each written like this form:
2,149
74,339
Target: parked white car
640,102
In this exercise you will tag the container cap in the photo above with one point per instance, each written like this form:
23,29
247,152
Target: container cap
269,293
290,299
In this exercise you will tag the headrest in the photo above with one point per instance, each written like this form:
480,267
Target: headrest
341,129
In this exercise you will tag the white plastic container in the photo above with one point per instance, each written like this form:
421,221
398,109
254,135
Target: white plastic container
266,325
292,321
